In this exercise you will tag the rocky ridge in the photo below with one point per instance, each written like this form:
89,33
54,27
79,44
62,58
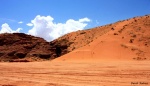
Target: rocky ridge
22,47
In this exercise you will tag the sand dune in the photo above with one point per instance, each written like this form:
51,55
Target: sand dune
127,40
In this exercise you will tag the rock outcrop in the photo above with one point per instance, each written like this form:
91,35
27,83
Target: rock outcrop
20,47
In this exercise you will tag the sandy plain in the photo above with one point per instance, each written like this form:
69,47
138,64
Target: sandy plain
103,73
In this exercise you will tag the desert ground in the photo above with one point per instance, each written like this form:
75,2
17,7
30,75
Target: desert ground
103,73
117,54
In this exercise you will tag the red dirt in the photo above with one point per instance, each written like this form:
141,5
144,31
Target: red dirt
104,73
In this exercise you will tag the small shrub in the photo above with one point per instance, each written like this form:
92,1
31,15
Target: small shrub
82,32
131,40
134,58
133,49
124,46
115,33
134,36
139,58
112,28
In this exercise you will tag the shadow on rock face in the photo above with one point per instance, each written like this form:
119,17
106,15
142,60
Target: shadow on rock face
58,51
21,55
42,55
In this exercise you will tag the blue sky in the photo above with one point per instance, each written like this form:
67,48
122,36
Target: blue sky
100,12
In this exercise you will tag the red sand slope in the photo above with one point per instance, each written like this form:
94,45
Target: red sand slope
127,40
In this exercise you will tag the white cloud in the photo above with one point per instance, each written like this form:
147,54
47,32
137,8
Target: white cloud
20,22
29,24
84,20
43,26
18,30
6,29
